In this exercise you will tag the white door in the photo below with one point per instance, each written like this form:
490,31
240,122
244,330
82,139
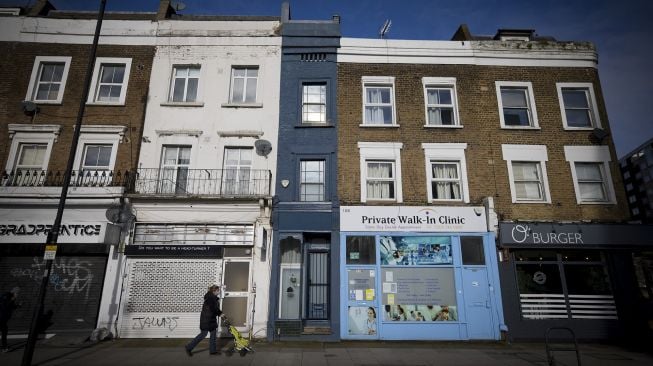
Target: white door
237,165
175,161
236,290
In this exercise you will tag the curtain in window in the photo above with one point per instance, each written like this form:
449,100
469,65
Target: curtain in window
446,190
527,181
376,188
378,114
590,182
439,115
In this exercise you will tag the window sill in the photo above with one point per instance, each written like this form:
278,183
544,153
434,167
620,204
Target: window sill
315,125
380,200
101,104
520,128
47,102
598,203
242,105
434,201
579,128
443,126
378,126
532,202
182,104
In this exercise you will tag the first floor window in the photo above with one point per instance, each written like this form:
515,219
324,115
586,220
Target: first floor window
96,157
445,181
380,180
312,180
578,112
591,182
528,181
175,162
238,166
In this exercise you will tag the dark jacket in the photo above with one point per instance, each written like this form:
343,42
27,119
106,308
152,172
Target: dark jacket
7,306
210,312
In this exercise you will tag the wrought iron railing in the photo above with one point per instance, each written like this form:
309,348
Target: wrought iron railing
179,181
50,178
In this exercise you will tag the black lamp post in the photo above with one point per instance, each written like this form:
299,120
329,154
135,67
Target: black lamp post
53,235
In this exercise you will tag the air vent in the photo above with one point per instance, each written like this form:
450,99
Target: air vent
313,57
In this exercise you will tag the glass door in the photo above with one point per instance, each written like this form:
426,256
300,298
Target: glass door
235,301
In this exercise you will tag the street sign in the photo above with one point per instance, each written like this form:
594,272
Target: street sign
50,252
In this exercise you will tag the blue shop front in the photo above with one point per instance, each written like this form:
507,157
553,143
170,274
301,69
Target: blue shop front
418,273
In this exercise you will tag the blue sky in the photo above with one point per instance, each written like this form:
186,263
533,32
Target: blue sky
619,29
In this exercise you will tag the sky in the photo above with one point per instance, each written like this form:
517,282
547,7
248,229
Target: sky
619,29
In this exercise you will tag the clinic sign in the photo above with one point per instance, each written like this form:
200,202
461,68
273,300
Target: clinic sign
34,232
413,219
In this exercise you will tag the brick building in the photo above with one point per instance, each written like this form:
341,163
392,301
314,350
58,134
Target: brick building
509,129
43,74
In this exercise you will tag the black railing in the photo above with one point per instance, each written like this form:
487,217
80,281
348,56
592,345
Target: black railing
80,178
180,181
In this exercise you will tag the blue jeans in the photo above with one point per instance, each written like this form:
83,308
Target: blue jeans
213,347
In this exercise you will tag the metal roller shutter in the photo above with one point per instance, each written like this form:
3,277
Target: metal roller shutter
73,293
163,297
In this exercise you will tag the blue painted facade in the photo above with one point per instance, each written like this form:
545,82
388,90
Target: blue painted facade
304,292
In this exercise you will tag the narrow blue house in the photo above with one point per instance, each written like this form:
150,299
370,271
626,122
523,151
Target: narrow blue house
304,292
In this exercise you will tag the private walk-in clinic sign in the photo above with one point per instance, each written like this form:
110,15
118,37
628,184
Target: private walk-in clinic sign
413,219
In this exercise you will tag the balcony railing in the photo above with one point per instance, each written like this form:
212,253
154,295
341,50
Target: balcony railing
179,181
79,178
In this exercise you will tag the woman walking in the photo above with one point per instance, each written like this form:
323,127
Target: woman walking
208,321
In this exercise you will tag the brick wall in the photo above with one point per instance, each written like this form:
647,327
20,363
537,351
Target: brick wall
18,61
479,114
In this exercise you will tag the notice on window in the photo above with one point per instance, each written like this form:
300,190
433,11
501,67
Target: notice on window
391,299
389,288
369,294
359,295
388,276
421,286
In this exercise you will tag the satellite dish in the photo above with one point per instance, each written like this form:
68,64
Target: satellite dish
600,133
29,107
119,214
113,214
263,147
178,5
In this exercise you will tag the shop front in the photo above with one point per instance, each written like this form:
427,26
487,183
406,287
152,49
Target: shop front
75,284
587,277
169,268
418,273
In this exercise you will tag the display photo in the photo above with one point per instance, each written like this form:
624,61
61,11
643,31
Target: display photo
362,320
415,250
420,313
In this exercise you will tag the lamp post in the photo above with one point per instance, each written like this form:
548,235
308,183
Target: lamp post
53,235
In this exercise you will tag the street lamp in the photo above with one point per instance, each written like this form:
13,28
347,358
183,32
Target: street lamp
53,235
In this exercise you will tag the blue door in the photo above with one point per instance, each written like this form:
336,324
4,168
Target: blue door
478,308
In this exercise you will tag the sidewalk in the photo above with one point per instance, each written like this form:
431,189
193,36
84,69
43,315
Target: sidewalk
73,351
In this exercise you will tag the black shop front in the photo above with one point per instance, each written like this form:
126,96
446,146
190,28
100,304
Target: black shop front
596,279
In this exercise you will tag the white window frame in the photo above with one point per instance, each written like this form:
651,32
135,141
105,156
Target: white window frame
95,81
379,81
31,134
441,83
231,86
386,151
527,153
36,73
322,183
446,153
173,79
530,100
591,154
591,101
326,102
99,135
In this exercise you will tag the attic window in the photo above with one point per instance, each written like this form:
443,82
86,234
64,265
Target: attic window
313,57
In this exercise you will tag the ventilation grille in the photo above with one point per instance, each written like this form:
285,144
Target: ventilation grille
313,57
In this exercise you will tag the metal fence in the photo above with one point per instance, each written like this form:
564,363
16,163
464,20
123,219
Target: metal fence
79,178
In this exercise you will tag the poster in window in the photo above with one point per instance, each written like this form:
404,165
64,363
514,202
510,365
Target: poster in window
415,250
362,320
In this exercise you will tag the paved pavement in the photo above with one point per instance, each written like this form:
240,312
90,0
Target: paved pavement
70,350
